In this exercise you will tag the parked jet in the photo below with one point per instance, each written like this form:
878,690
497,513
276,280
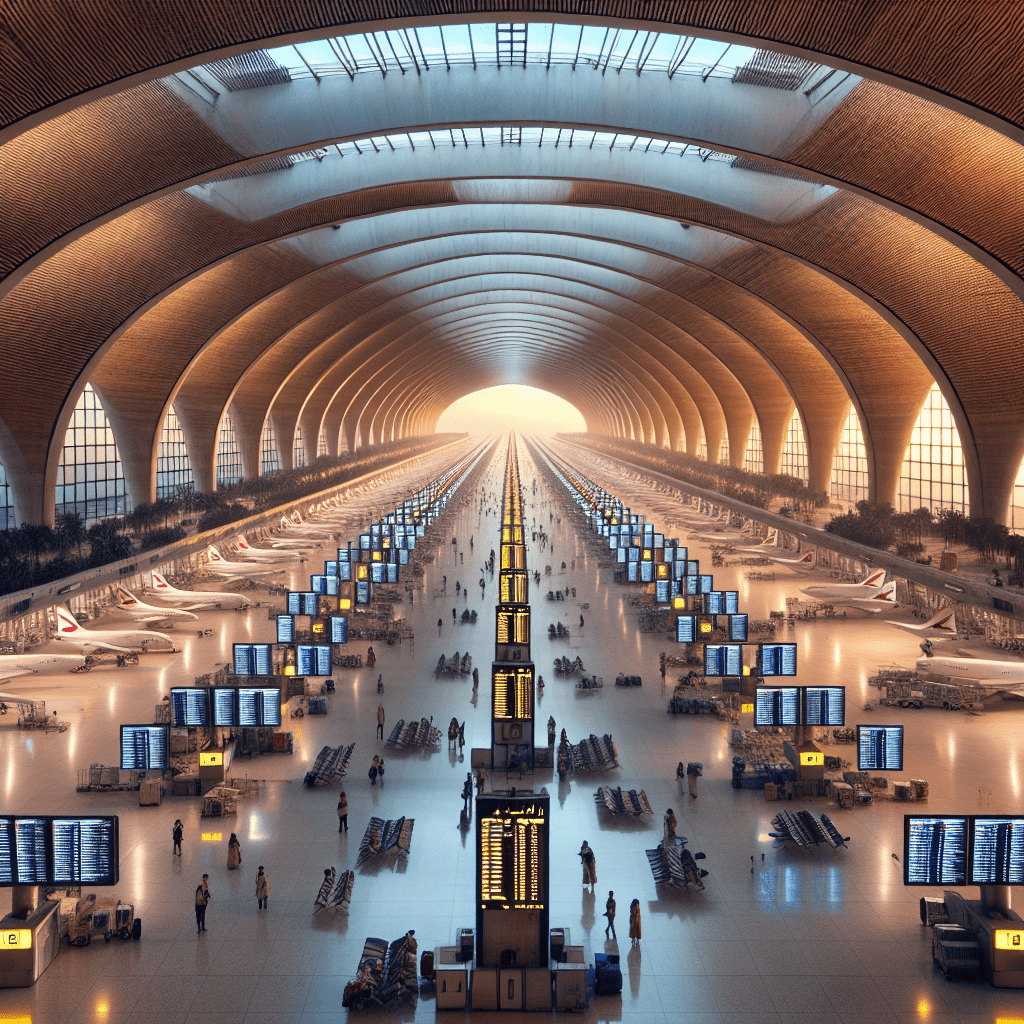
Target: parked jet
805,561
14,665
163,591
218,564
295,525
762,548
264,555
128,603
119,641
872,594
992,676
941,626
727,533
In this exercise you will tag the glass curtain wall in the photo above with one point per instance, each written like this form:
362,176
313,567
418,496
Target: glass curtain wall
229,458
850,463
753,458
270,460
321,444
298,448
6,504
173,469
794,451
933,475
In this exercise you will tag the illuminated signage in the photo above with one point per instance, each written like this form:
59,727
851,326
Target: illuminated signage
1005,938
746,709
812,757
212,837
210,760
16,938
512,868
512,692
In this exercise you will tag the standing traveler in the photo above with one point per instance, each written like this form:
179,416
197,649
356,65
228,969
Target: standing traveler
589,865
609,912
439,625
476,679
634,922
262,889
371,658
203,896
342,812
380,721
693,773
670,825
380,770
581,622
454,619
234,853
176,834
373,770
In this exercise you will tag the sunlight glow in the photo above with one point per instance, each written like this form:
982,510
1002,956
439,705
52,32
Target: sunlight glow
510,407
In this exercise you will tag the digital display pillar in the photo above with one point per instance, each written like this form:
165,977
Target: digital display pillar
512,880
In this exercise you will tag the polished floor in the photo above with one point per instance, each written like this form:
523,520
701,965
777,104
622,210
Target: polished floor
820,938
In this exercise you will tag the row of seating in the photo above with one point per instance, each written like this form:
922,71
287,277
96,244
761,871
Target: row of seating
673,864
386,977
383,836
334,890
632,803
330,764
802,829
591,754
420,734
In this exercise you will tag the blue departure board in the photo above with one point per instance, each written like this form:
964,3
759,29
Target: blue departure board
285,629
258,705
686,629
997,850
633,572
662,592
318,584
85,851
224,705
339,629
777,660
880,748
313,660
777,705
362,592
189,706
738,628
403,557
377,573
934,850
392,568
301,602
30,836
253,659
145,747
723,660
824,705
345,572
646,572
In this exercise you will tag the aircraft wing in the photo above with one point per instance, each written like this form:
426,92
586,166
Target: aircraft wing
1014,686
13,674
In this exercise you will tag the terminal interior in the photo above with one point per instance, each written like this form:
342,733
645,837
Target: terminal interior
258,246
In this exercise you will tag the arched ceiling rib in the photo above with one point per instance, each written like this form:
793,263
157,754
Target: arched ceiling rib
907,264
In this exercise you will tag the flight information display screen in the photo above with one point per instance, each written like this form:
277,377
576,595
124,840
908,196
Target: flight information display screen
301,602
403,557
312,660
285,629
997,850
189,706
512,848
738,628
253,659
345,572
778,660
723,660
662,592
824,705
934,850
377,572
686,629
646,572
392,568
880,748
512,692
362,592
777,705
224,706
339,629
721,602
58,851
145,746
259,705
85,851
633,572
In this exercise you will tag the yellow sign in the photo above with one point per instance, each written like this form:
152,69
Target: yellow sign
345,604
208,760
705,627
212,837
678,602
746,709
362,572
1006,939
812,757
16,938
289,670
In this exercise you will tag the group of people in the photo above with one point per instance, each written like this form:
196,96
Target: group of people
377,770
589,862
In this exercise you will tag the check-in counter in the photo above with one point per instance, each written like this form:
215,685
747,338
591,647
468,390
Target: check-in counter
28,945
451,978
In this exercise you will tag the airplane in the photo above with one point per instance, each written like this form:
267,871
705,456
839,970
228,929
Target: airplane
163,591
806,561
729,533
91,641
218,564
770,541
14,665
872,594
941,626
128,603
992,676
295,525
265,555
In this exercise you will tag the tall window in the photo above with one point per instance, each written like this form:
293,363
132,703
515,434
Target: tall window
173,469
90,480
723,451
6,504
321,444
702,448
850,462
298,448
270,461
794,451
933,474
753,459
229,458
1016,517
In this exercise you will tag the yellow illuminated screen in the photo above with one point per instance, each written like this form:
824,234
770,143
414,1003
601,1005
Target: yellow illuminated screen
511,860
212,837
811,757
362,572
705,627
345,603
679,602
1006,939
512,587
746,709
16,938
512,691
513,625
207,760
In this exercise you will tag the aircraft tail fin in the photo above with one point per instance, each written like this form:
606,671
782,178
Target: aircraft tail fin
887,595
243,544
125,598
876,579
67,624
213,555
159,583
808,558
943,620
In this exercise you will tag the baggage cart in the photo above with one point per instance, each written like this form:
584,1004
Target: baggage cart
955,951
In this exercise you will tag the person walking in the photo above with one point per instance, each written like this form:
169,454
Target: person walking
670,825
454,619
380,770
693,773
176,834
476,679
234,853
373,770
581,622
262,889
380,721
342,812
589,865
203,897
634,923
609,912
371,658
440,624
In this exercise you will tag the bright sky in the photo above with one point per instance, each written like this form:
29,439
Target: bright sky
510,407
